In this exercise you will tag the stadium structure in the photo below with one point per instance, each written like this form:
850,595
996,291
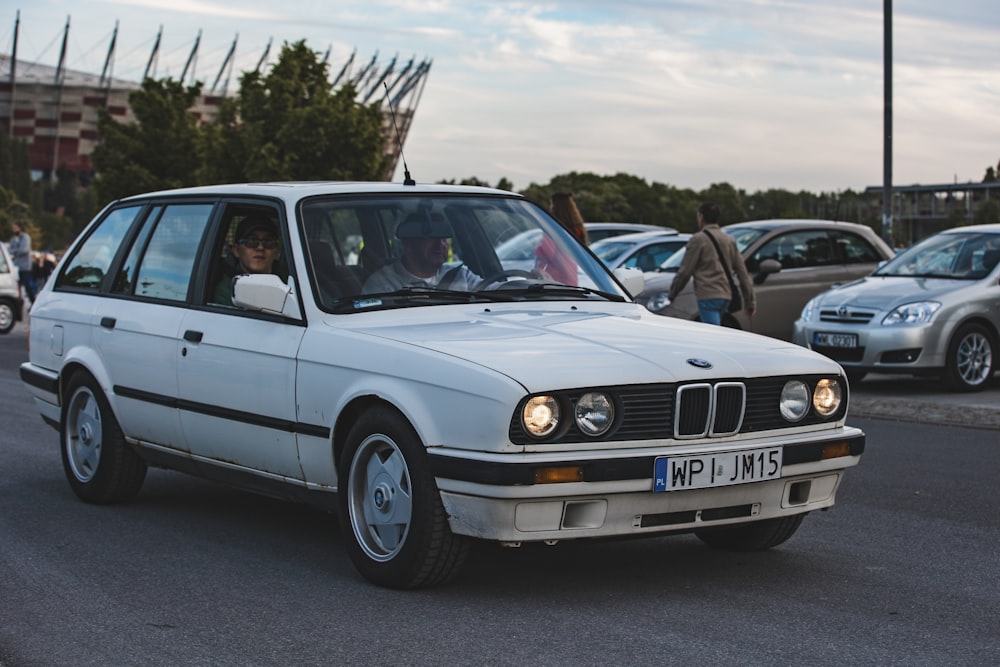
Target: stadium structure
54,109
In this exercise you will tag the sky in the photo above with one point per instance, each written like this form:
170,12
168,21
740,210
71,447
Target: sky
757,93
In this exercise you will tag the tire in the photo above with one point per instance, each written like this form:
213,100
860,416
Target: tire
970,362
754,536
100,466
7,317
395,527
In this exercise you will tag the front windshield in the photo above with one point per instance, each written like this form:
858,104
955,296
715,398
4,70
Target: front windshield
743,236
962,256
393,251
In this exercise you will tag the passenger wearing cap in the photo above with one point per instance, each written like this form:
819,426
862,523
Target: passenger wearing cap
424,236
256,247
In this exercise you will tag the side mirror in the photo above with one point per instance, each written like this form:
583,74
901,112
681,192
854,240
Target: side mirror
266,293
767,267
631,279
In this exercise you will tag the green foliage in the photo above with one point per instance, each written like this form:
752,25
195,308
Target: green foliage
987,213
289,125
159,151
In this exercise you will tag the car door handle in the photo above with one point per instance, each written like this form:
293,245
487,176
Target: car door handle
108,322
193,336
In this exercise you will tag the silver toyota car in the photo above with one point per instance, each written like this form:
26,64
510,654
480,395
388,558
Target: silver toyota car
932,310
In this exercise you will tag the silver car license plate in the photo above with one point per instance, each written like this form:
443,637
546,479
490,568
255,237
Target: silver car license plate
676,473
823,339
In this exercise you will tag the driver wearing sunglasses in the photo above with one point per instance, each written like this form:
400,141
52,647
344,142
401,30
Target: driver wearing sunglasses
256,247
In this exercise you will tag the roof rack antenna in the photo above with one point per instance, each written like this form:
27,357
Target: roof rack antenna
407,180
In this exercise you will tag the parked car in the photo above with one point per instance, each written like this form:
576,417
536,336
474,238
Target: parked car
644,251
790,262
933,310
11,303
518,252
597,231
518,410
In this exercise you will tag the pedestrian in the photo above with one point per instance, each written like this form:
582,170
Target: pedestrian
551,261
20,252
563,208
710,258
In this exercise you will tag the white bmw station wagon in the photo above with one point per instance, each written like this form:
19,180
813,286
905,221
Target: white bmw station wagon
360,347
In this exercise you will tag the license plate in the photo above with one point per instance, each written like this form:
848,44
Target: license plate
676,473
821,339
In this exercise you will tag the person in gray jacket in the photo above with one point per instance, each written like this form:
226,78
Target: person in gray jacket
702,262
20,252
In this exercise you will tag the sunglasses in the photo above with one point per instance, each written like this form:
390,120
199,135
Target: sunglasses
251,243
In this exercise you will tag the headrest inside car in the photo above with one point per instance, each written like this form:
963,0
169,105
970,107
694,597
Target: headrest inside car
424,225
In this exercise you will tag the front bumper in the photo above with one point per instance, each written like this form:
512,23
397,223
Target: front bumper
895,349
493,499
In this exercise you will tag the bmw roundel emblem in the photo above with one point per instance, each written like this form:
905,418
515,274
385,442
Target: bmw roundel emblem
700,363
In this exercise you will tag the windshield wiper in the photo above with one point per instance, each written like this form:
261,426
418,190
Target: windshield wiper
558,289
415,295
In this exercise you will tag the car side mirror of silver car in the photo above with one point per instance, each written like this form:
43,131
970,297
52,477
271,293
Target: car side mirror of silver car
266,293
631,279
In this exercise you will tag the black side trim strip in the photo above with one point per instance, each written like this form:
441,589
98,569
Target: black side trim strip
39,380
639,467
285,425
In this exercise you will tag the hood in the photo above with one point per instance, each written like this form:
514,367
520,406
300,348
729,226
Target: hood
885,293
550,347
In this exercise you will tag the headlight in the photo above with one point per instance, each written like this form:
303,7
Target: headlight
794,400
658,302
540,416
809,309
594,413
827,397
912,313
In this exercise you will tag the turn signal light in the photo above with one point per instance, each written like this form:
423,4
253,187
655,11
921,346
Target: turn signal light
558,475
835,450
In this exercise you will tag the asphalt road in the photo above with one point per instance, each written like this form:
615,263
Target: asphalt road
903,571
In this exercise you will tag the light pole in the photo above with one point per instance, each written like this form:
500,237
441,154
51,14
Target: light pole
887,124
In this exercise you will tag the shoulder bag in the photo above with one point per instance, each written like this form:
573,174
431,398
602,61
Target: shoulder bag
736,302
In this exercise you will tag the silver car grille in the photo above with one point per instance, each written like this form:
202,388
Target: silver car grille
846,315
709,410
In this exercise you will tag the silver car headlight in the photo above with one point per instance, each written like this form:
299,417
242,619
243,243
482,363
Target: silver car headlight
594,413
919,312
540,416
810,309
658,302
794,402
827,397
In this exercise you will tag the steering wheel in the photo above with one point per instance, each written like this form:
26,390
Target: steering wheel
502,276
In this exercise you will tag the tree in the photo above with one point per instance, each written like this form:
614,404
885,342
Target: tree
290,125
159,151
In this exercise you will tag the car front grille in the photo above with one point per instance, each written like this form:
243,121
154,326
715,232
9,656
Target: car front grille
846,315
686,411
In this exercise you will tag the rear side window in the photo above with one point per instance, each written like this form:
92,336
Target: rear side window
92,260
854,249
165,268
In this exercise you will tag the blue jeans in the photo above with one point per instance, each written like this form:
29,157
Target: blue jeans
711,310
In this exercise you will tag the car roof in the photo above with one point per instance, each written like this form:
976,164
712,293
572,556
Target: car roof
639,237
637,226
294,190
787,223
973,229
